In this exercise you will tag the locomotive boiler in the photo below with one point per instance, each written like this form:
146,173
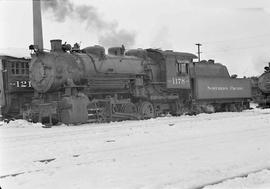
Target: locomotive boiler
49,71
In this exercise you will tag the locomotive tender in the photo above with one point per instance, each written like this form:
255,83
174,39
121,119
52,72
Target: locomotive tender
77,86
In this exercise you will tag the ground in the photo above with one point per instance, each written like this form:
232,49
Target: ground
221,150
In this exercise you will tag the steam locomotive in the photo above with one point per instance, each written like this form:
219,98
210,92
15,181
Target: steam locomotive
74,85
263,83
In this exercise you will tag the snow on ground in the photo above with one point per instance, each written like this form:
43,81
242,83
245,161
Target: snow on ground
19,124
256,180
171,152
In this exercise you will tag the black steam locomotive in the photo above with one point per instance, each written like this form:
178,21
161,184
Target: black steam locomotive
263,84
75,85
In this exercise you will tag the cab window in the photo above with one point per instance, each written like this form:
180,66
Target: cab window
181,67
19,68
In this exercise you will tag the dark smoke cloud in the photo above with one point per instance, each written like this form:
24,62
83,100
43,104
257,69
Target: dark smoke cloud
108,32
61,9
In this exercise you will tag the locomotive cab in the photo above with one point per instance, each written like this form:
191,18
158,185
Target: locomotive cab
173,67
177,70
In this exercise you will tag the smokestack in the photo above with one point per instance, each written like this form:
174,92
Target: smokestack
37,25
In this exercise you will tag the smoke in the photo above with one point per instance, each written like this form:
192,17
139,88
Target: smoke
259,61
117,39
61,9
107,31
161,39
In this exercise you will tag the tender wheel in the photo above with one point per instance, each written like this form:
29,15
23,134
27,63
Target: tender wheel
239,107
209,109
233,108
146,109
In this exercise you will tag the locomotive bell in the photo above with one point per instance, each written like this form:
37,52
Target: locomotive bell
116,51
56,45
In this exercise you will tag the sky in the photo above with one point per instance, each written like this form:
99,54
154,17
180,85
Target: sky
235,33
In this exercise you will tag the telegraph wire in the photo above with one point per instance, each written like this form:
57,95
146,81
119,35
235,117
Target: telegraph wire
230,45
238,39
235,49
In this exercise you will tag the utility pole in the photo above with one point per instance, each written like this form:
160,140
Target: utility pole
199,51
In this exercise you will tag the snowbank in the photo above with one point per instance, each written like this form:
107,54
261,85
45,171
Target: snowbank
19,124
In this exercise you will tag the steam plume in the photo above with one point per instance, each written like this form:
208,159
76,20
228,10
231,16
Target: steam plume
161,39
259,61
108,32
117,38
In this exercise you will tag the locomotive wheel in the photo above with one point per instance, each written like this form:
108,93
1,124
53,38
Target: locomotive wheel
101,116
239,107
146,109
130,108
209,109
233,108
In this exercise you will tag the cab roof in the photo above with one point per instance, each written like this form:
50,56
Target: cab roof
171,52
